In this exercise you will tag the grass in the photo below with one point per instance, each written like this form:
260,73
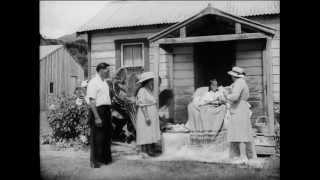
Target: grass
75,165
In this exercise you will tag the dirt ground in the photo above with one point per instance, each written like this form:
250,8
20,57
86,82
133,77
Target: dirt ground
74,165
69,164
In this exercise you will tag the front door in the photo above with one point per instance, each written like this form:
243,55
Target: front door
213,60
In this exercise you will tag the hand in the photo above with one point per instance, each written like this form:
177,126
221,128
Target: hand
98,122
148,122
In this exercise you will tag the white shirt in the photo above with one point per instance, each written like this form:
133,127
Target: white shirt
98,90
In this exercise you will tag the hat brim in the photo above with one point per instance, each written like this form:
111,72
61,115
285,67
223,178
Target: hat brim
144,79
231,73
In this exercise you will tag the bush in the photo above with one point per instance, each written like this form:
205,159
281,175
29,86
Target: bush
68,122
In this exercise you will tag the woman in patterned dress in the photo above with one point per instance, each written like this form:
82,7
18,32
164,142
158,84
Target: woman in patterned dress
147,121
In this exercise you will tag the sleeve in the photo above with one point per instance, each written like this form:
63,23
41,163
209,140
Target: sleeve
236,91
142,98
92,90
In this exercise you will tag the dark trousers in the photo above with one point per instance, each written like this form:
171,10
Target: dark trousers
100,137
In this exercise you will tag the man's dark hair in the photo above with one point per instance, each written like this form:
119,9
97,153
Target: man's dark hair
102,66
165,96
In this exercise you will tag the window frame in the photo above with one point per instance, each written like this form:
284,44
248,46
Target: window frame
121,54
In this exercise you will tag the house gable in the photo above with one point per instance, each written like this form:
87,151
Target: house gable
214,15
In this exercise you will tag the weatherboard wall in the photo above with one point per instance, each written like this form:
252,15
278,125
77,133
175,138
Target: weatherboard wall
59,68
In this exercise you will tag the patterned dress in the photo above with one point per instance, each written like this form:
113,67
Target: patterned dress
239,127
147,134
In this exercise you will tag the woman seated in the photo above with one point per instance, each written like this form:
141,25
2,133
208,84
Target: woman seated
207,110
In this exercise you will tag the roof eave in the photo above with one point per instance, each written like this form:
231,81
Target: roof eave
210,10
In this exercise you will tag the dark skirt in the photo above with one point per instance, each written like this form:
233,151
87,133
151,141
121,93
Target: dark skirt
100,137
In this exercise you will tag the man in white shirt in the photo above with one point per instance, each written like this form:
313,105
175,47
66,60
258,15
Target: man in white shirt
100,117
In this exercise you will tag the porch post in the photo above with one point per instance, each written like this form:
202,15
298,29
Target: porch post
89,55
267,68
156,72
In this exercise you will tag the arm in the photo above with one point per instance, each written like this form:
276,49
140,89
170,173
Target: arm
146,115
236,91
97,118
91,95
141,102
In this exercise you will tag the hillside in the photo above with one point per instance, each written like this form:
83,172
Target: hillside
77,47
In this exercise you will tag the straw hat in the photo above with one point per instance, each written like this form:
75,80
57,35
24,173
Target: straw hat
237,72
146,76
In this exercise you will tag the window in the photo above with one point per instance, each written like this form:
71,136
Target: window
51,87
132,55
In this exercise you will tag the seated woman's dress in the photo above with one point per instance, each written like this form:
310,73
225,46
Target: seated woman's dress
194,122
203,113
212,110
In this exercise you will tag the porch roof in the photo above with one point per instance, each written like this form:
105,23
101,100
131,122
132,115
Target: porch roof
209,10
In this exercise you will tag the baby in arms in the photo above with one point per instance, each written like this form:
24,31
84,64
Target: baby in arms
214,96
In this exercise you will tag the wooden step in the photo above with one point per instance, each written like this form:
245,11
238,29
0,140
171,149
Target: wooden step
265,144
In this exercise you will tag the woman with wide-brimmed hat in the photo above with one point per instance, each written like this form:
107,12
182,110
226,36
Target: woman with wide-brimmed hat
239,127
147,121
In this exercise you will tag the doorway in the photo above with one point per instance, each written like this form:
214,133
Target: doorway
213,60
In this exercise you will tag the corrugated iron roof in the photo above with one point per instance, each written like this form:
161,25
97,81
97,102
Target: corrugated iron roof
46,50
118,14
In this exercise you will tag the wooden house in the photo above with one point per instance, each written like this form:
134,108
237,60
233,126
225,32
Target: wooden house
59,73
189,42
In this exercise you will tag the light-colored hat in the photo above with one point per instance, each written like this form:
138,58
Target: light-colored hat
146,76
84,84
237,72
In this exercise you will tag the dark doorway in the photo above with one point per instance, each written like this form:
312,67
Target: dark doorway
213,60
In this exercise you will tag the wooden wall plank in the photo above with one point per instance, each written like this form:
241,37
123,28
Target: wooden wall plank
276,96
250,62
109,60
183,80
276,87
248,54
275,44
249,57
187,66
183,58
103,54
276,70
184,90
183,74
276,78
275,52
108,46
276,61
252,71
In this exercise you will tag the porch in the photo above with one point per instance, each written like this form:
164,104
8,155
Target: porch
206,46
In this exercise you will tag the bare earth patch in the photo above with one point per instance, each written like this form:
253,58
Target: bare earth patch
70,164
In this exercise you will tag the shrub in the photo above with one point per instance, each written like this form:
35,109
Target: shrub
68,121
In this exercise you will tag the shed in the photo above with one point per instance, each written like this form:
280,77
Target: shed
59,73
189,42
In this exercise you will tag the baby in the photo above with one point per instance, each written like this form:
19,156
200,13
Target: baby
214,95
